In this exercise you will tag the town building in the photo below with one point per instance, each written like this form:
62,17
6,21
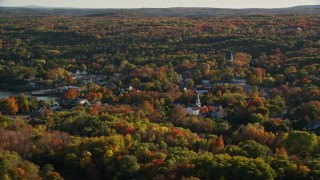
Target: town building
218,112
238,80
201,91
82,101
195,110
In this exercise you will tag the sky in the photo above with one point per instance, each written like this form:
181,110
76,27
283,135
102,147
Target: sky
161,3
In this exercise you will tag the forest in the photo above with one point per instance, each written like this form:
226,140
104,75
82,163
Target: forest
160,97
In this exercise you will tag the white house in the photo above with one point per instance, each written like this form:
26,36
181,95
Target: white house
81,101
193,110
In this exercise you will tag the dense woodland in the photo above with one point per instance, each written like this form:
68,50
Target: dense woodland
144,132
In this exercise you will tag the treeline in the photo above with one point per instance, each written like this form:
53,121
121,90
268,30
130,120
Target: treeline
127,145
103,44
159,12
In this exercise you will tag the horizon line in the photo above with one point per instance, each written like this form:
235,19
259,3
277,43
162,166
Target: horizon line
195,7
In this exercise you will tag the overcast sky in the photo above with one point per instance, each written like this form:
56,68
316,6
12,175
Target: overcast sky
161,3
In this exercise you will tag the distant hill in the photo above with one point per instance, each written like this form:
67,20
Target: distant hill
167,12
33,7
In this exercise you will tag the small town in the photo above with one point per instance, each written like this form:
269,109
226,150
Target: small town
159,90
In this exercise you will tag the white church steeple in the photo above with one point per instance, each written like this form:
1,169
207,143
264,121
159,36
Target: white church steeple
231,58
198,102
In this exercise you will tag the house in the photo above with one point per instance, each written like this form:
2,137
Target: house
205,82
40,112
293,28
238,80
207,86
81,101
32,84
110,85
201,91
30,79
66,88
313,125
117,76
79,73
180,78
284,112
218,112
264,92
55,107
280,115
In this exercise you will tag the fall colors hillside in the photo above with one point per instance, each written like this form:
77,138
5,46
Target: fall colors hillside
160,94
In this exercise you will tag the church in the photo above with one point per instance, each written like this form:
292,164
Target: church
195,110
